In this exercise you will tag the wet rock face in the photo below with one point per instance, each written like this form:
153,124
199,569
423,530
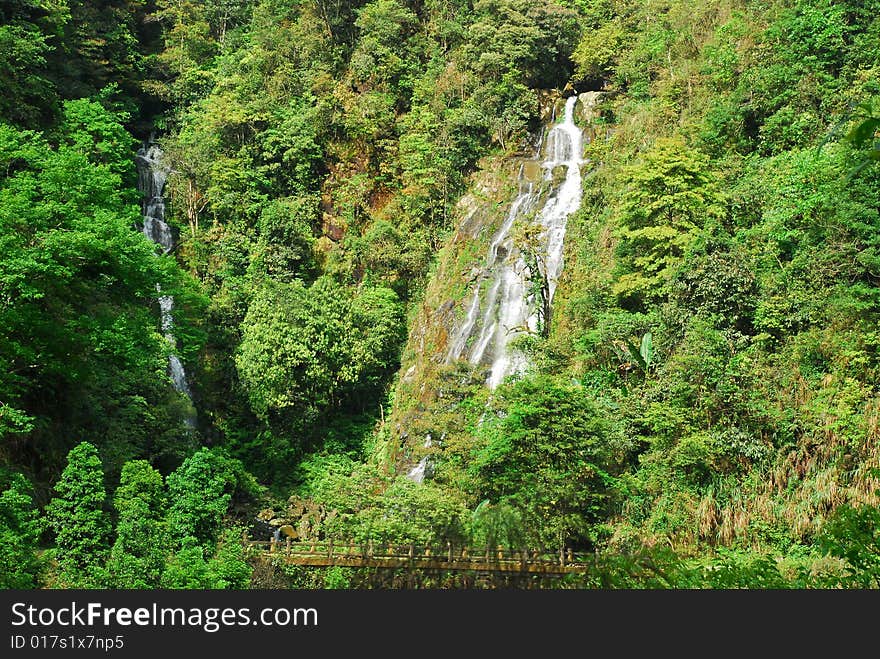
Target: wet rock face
505,304
482,273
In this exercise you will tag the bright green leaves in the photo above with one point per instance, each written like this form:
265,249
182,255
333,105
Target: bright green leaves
535,39
598,50
200,491
20,529
26,89
853,534
191,568
78,520
370,505
670,196
206,554
84,352
181,544
285,244
306,349
137,558
543,451
99,135
382,58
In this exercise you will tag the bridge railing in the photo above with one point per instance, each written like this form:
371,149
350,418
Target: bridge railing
449,553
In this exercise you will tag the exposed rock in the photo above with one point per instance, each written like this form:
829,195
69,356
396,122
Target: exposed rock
331,228
410,373
586,110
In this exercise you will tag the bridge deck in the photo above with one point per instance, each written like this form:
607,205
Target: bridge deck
465,559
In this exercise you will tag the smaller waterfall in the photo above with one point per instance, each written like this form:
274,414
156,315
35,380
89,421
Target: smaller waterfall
424,468
506,309
152,175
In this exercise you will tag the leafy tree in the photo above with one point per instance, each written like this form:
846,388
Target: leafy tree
497,524
384,54
303,349
188,568
853,534
80,332
286,243
228,567
20,526
200,491
542,452
368,505
98,133
24,45
669,197
77,518
137,558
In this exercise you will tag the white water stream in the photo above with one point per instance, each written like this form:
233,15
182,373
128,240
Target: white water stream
152,175
502,308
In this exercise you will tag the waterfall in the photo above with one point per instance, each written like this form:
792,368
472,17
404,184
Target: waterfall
501,306
152,175
424,468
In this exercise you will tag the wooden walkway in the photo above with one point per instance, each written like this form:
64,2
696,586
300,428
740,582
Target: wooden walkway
410,557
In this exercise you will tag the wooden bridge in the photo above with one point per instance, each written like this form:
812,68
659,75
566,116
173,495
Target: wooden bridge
410,557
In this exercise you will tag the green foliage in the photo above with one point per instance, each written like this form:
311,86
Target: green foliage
137,558
542,451
78,521
372,506
228,566
306,349
20,527
337,578
644,354
98,134
200,491
23,49
708,378
84,353
285,247
669,197
863,134
853,534
498,524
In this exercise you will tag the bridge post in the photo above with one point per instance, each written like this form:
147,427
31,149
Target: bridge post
570,555
272,545
288,545
370,548
449,550
562,556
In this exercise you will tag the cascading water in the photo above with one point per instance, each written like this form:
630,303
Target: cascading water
424,468
151,184
508,309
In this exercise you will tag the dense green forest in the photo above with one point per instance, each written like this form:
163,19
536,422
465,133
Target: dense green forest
701,406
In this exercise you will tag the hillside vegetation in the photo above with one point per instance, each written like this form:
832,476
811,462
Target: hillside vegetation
703,409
